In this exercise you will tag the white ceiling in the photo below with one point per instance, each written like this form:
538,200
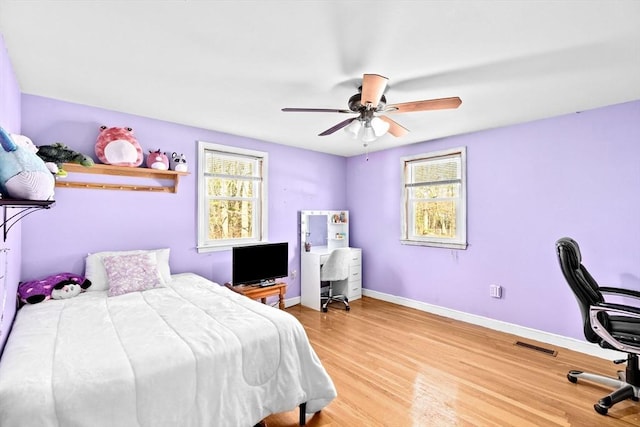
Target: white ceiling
231,66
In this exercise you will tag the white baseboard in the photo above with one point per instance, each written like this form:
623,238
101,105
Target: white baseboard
289,302
498,325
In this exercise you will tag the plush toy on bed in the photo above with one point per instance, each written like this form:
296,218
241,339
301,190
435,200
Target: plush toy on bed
58,153
57,286
117,146
23,175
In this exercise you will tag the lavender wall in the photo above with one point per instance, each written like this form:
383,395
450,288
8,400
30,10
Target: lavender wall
85,221
10,250
528,185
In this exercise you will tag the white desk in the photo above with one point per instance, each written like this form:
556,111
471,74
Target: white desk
310,263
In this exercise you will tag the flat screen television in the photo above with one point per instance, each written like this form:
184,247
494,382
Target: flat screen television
259,264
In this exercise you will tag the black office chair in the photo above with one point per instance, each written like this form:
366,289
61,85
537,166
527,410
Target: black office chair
336,268
612,326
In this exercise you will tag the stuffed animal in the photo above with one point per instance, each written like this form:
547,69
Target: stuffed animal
57,286
66,289
117,146
59,153
26,143
177,162
23,175
157,160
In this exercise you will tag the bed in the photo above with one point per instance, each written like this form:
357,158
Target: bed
188,353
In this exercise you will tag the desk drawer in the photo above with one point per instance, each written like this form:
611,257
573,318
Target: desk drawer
354,290
354,285
356,257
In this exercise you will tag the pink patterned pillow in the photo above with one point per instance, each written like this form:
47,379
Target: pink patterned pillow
132,273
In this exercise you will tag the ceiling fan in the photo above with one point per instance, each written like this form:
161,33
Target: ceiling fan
369,104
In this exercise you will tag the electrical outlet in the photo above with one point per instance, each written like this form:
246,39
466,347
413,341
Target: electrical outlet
293,274
495,291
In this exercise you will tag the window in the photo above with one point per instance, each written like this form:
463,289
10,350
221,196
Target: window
434,211
232,196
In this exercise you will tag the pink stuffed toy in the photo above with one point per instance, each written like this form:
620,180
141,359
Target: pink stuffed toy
157,160
57,286
118,146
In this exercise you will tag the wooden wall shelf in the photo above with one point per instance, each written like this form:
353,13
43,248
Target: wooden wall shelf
121,171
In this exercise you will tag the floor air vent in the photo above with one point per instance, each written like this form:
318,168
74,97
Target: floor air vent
537,348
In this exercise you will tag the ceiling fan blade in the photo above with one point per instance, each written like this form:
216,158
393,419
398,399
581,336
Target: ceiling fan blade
395,128
337,127
373,86
316,110
429,104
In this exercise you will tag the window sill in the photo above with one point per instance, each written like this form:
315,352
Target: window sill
228,246
434,244
205,249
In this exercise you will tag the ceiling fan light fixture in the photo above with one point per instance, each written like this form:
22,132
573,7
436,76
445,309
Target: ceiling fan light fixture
379,126
353,128
368,134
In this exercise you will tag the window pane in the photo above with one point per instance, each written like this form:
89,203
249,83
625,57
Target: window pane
433,207
435,219
222,187
443,169
443,191
229,165
230,219
232,191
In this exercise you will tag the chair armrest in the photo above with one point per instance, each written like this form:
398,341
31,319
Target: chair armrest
620,291
602,332
622,309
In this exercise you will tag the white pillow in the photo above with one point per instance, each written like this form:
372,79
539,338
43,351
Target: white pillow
94,268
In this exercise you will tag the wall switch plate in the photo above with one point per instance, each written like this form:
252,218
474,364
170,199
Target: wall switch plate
495,291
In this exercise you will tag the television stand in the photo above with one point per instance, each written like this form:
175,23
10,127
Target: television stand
262,292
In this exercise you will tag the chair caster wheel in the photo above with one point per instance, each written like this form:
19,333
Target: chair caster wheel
572,378
324,309
348,308
602,410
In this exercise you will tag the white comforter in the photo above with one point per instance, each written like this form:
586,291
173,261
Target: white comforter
191,354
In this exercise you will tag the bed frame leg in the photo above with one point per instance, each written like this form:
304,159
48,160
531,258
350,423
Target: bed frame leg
303,412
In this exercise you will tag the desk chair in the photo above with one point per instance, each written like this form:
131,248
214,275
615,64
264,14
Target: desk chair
610,325
336,267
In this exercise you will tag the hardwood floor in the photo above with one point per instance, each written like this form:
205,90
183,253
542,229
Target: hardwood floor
396,366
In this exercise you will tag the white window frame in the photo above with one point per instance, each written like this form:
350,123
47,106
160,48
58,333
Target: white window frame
460,241
260,226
